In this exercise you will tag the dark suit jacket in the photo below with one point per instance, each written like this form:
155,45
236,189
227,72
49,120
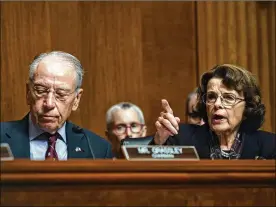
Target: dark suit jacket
257,143
16,134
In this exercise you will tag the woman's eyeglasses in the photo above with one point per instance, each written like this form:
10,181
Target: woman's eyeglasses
227,99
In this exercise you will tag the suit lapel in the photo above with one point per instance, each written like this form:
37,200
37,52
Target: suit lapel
250,147
201,138
76,143
18,138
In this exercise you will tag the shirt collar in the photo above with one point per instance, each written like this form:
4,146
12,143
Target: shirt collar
35,130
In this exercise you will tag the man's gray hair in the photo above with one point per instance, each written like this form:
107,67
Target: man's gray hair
124,106
189,97
62,56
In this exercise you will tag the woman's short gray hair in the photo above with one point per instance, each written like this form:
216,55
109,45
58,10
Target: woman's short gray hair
123,105
63,56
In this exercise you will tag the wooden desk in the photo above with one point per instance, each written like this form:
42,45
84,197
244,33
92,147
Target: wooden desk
135,183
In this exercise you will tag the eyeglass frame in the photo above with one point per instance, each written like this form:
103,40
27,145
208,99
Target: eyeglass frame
194,115
237,99
48,90
113,128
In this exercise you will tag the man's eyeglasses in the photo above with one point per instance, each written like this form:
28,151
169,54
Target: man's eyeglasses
227,99
59,94
194,115
121,129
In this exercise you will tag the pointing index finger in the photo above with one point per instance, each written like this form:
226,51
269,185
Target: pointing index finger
166,106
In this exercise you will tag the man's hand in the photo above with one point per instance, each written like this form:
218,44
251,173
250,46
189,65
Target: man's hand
166,124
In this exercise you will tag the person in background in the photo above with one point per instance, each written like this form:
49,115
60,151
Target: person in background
53,91
192,117
231,105
123,120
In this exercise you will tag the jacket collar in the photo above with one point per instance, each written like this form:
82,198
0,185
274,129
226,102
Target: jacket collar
18,136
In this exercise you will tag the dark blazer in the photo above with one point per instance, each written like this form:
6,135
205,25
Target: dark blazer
16,134
257,143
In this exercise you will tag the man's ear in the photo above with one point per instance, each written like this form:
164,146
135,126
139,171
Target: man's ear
107,135
110,137
28,94
77,99
144,131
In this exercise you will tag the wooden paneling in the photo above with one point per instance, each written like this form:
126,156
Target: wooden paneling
131,51
241,33
137,51
24,34
126,183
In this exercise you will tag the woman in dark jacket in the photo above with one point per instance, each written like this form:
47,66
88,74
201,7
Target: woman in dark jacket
229,100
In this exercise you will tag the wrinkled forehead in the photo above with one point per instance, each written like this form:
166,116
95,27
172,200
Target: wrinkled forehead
216,85
55,73
125,116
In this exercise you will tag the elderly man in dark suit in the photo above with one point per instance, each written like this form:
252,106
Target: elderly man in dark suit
53,92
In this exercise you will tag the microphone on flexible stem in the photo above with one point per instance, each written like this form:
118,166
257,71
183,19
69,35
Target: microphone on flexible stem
78,129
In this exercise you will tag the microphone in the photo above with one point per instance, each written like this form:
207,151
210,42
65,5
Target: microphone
78,129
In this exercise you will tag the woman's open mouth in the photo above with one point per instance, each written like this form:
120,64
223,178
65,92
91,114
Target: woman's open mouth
218,119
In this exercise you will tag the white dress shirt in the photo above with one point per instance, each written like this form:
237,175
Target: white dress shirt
39,147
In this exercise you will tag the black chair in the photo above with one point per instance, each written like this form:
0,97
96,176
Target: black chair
137,141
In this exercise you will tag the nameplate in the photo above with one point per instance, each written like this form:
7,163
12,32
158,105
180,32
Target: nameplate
159,152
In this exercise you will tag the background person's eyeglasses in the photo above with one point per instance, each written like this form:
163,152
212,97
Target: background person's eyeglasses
227,99
121,129
194,115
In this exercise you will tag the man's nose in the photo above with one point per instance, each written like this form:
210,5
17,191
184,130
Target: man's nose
50,100
128,132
